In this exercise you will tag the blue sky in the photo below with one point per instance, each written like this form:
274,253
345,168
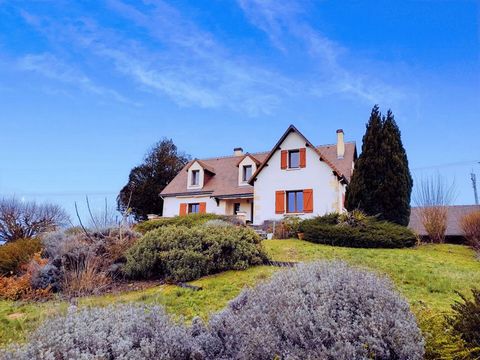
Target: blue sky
87,87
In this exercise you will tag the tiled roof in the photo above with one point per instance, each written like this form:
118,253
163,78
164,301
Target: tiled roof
225,182
454,217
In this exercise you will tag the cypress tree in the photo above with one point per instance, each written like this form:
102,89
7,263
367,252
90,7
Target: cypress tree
381,183
396,188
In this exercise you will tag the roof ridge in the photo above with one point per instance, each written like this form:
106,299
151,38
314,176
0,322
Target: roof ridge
260,152
232,156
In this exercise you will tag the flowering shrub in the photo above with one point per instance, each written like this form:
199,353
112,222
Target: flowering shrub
180,253
120,332
315,311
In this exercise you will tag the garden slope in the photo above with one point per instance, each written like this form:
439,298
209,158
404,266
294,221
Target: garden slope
427,276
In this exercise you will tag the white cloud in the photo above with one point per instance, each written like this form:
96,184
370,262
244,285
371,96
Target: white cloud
51,67
283,20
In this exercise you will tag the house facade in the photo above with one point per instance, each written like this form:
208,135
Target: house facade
294,178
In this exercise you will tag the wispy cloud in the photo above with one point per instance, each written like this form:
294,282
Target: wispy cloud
179,60
283,20
51,67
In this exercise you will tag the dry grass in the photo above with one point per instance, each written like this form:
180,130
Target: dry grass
85,278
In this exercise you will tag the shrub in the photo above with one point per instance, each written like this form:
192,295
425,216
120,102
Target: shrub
440,341
315,311
116,332
465,320
20,287
471,228
180,253
85,277
217,223
369,232
187,220
17,253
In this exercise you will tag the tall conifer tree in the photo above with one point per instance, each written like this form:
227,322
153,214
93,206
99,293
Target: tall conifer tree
381,183
396,188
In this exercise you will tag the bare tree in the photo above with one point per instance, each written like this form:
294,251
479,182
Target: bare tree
432,196
26,219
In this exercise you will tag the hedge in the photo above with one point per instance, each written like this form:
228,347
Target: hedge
370,233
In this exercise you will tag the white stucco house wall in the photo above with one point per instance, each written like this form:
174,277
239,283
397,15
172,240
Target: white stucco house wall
294,178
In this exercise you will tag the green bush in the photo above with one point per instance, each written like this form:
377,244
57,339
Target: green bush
356,231
180,253
465,321
16,253
187,220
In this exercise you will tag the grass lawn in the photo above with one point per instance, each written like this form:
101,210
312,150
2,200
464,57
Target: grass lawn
427,276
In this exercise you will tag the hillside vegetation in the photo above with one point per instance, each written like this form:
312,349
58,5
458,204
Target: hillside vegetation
427,276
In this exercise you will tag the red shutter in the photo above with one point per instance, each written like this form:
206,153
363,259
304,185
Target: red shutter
283,162
303,158
279,202
308,200
183,209
203,208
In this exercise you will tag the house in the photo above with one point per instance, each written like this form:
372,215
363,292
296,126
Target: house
293,178
455,214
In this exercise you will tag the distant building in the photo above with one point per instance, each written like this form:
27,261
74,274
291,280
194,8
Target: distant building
455,214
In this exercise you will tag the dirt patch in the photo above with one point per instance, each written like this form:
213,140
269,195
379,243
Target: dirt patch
15,316
125,286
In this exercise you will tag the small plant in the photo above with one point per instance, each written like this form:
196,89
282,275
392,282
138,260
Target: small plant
471,228
465,320
17,253
179,253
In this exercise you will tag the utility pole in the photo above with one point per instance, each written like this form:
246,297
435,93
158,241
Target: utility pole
473,176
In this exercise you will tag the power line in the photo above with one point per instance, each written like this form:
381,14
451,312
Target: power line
446,165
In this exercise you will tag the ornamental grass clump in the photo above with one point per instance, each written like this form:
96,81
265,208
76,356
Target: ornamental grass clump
116,332
180,253
315,311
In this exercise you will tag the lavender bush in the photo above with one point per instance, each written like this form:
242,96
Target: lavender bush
316,311
120,332
321,310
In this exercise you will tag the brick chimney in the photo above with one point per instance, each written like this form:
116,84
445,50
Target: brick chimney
340,144
238,151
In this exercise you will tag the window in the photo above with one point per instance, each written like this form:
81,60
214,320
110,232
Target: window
236,208
195,177
247,172
193,208
294,201
294,159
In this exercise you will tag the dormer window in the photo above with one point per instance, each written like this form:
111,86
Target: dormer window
195,177
294,159
247,172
